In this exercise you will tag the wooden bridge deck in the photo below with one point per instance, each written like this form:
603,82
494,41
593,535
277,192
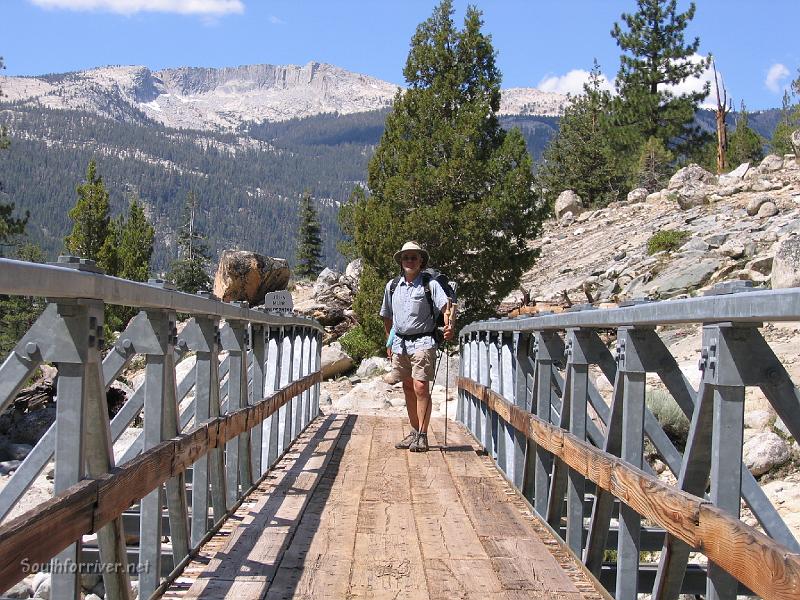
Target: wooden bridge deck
345,515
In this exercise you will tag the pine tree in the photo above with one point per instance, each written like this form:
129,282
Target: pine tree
18,313
446,174
9,225
744,144
188,272
790,120
654,57
581,157
135,244
91,219
654,166
308,257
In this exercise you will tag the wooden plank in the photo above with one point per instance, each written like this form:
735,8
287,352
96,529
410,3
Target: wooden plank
676,511
387,562
756,560
249,549
318,562
526,560
36,536
131,483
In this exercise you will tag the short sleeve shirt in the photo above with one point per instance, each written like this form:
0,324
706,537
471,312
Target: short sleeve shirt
411,314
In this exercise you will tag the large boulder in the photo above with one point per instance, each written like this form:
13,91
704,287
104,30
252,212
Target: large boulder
354,269
765,451
771,162
691,175
335,361
246,276
786,264
734,176
638,195
568,201
795,138
691,186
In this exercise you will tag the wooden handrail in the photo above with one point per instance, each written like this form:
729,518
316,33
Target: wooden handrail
766,567
38,535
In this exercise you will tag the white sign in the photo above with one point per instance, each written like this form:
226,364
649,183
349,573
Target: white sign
278,302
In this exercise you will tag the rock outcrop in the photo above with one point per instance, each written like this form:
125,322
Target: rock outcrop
331,300
568,201
741,226
246,276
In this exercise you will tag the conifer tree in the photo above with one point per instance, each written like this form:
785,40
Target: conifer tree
655,56
308,257
744,144
9,225
135,244
188,272
654,166
789,121
91,219
18,313
581,156
446,174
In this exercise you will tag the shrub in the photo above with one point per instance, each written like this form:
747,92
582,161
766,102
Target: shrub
669,415
359,345
666,239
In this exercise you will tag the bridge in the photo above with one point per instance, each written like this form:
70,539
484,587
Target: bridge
239,487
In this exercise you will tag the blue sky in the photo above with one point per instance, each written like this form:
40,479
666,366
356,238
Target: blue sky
545,44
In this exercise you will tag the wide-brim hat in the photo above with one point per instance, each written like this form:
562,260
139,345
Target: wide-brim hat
412,246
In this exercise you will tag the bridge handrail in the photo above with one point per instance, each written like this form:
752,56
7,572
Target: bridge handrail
756,305
722,538
526,392
84,508
266,351
22,278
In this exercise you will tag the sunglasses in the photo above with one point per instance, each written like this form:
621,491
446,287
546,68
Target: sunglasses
410,257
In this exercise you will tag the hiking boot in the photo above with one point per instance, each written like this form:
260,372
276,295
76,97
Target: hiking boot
407,441
420,444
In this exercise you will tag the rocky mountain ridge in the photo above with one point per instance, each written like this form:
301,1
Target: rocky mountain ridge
227,98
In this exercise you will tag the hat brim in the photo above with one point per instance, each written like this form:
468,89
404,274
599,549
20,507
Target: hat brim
424,253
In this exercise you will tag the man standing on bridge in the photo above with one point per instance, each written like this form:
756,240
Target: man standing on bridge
409,305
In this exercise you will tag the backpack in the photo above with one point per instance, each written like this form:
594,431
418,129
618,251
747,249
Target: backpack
427,275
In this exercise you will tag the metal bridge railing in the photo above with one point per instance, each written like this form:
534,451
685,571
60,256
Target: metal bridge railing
524,393
245,413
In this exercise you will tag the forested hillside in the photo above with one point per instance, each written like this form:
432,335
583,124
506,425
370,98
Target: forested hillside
248,184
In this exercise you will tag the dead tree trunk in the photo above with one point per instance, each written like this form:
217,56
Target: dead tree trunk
722,129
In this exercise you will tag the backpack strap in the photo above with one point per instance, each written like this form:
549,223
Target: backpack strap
393,286
426,282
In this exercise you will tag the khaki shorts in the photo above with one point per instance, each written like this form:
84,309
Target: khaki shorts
420,365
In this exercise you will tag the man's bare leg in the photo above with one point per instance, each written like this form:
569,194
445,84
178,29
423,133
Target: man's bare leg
411,403
424,404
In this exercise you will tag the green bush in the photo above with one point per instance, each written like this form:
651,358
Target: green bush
666,239
669,415
359,345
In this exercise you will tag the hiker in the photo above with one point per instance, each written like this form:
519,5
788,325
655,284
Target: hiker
410,304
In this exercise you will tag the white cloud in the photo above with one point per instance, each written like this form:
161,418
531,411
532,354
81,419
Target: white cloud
695,84
775,76
129,7
276,20
571,83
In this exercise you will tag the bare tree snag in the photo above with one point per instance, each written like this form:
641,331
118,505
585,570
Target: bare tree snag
721,112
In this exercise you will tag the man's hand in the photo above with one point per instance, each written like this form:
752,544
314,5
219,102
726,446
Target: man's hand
448,332
389,352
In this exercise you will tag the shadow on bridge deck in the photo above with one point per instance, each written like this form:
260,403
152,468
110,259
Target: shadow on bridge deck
345,515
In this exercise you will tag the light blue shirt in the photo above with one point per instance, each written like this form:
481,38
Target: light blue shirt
411,314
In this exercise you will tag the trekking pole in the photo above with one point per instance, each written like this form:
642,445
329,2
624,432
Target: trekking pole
446,394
